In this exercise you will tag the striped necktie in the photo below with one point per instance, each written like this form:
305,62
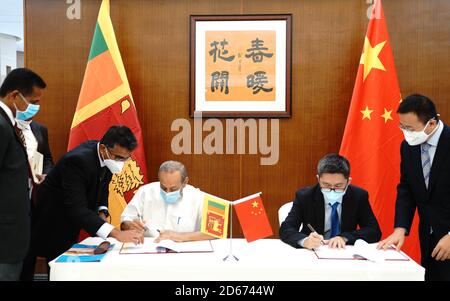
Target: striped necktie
21,136
426,162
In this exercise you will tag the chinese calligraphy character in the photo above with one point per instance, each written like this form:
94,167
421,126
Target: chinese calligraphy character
256,52
257,81
220,53
220,79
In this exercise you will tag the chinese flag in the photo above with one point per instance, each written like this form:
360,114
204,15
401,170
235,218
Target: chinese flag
372,138
253,218
105,100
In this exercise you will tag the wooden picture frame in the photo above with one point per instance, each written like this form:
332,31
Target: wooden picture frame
240,66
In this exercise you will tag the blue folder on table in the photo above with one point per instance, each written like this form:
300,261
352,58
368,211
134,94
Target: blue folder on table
82,253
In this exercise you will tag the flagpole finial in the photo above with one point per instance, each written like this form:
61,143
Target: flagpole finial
377,11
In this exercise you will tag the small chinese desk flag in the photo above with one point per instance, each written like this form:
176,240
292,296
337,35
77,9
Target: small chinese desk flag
253,218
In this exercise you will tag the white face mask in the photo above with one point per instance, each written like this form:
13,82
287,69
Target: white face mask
113,165
415,138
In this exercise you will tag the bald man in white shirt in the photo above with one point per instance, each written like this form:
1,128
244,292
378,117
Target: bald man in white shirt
168,209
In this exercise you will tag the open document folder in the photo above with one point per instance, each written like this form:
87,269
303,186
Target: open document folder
167,246
361,250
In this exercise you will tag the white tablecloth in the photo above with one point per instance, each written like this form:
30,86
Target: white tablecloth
262,260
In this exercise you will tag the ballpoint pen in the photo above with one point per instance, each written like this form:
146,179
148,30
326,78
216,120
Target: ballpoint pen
142,222
312,230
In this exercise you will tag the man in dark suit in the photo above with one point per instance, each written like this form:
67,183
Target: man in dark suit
71,195
36,141
20,92
333,207
424,184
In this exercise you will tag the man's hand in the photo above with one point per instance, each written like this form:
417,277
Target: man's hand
442,250
336,242
133,236
313,241
133,225
397,238
40,178
167,234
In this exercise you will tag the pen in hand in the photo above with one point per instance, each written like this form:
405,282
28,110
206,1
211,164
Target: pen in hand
312,230
142,222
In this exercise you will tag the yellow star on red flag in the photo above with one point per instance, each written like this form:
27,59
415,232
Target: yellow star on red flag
366,113
370,58
387,115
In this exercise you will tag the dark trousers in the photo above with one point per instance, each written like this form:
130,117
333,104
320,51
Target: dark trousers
435,270
29,263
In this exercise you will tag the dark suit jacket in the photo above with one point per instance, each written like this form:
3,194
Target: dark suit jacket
41,133
14,199
309,207
68,199
434,203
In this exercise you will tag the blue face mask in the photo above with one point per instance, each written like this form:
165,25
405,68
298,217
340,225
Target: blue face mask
332,196
30,111
171,197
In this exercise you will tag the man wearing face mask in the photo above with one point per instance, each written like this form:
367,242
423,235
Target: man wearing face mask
20,88
168,209
339,212
36,144
36,137
76,189
424,184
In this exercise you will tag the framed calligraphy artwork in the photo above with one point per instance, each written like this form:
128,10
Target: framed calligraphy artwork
240,66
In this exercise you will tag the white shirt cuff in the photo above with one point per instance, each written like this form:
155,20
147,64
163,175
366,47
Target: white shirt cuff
102,208
302,241
126,218
105,230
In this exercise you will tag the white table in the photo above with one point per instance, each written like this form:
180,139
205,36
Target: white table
262,260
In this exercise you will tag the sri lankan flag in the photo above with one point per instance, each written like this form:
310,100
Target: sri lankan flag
105,100
215,216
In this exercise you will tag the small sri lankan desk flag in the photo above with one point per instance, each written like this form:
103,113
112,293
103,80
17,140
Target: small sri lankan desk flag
105,100
215,216
253,218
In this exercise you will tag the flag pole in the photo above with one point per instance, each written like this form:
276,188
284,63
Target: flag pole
230,256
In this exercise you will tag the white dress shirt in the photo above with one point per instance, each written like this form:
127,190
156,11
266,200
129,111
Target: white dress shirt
327,223
434,140
30,139
183,216
8,112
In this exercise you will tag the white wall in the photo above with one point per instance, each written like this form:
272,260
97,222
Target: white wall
8,54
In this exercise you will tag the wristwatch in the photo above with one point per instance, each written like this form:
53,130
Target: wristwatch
105,212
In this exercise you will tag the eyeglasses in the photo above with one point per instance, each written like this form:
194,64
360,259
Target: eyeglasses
117,157
409,129
324,189
403,128
336,189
